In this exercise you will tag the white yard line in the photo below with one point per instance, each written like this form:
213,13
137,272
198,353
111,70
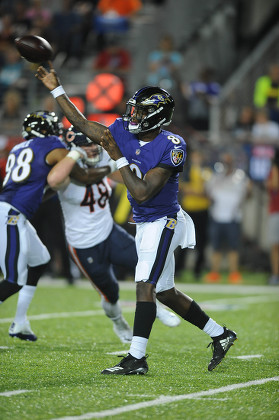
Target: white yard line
248,356
128,307
11,393
187,287
65,315
167,399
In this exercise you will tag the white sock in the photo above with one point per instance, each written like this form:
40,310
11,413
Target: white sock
25,296
212,328
138,347
112,310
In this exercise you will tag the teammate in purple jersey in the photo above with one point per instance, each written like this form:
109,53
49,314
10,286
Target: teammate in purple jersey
149,159
23,256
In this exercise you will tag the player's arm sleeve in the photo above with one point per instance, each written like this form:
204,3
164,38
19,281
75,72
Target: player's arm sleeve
173,158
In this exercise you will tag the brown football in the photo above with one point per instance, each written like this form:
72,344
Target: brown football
34,48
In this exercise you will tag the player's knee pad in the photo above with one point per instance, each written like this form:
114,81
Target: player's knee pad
8,289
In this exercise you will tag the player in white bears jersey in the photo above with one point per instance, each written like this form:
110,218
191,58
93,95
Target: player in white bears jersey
149,159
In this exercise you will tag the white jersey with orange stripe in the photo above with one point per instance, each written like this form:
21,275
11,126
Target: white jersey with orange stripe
86,210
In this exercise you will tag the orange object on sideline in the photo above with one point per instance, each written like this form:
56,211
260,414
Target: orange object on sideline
103,118
122,8
105,91
212,277
235,278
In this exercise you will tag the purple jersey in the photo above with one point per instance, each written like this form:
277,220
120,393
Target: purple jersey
26,173
167,150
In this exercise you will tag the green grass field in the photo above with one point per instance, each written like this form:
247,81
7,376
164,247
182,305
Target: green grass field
59,374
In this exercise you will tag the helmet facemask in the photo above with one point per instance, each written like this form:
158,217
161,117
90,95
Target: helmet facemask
78,139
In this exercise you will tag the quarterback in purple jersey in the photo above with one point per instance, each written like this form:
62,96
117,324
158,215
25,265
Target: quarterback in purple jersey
165,151
149,159
23,256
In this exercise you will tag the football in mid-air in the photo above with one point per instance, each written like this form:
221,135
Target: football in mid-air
34,48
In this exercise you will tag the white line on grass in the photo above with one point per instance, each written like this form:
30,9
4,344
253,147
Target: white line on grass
130,307
167,399
65,315
11,393
187,287
248,357
197,398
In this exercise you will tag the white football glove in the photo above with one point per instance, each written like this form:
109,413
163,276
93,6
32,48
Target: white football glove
81,151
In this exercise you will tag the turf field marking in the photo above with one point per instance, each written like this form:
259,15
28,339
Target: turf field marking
164,399
65,315
249,356
197,398
185,287
242,300
117,353
128,307
11,393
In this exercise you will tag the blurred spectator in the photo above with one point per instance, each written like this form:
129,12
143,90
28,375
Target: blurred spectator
264,131
266,92
114,17
127,8
86,10
7,32
115,59
164,65
67,32
12,113
49,104
196,203
11,72
21,23
272,185
227,188
199,95
38,14
243,128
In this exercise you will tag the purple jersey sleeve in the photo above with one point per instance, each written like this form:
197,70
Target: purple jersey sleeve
26,173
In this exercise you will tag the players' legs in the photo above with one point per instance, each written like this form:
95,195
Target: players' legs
8,289
159,268
122,248
122,252
95,264
156,243
36,259
12,251
155,246
27,292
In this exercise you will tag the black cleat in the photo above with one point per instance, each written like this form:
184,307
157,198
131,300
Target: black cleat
129,365
220,346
